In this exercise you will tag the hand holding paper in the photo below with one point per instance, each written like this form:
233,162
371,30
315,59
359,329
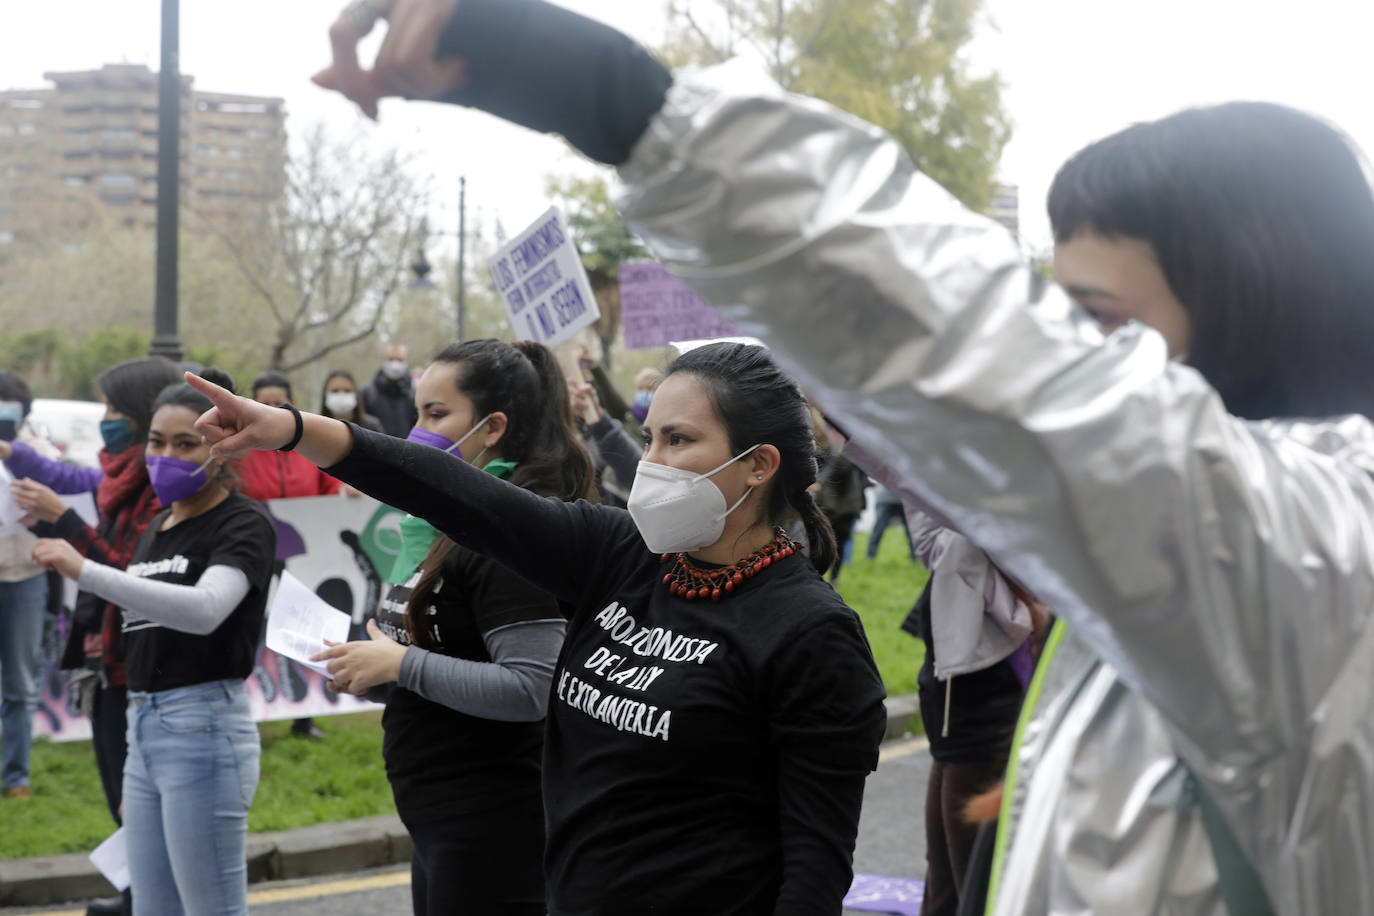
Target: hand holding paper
37,500
301,624
357,667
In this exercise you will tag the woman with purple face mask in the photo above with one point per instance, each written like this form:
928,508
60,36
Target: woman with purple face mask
192,600
469,644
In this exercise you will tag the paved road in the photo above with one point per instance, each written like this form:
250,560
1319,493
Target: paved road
891,842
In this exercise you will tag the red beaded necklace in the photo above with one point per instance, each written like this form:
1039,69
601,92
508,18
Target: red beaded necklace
686,581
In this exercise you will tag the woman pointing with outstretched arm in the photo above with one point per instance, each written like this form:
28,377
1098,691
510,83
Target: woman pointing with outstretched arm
715,709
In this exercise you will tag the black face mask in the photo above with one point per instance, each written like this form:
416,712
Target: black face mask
8,430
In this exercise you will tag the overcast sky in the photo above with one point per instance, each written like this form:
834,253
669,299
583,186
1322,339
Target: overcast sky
1074,70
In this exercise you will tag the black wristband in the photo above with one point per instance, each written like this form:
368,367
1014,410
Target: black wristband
300,427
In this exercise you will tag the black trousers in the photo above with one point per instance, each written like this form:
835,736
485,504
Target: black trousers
949,839
471,866
108,738
843,526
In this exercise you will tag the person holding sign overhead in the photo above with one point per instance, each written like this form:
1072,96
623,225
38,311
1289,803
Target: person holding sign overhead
716,708
470,644
540,277
192,601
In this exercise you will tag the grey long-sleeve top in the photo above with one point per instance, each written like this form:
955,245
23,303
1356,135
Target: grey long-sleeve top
513,686
197,609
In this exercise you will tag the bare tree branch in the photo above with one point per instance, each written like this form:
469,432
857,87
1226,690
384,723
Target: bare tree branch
337,242
685,11
240,259
336,345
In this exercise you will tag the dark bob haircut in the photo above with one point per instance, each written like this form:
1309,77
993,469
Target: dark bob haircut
1262,221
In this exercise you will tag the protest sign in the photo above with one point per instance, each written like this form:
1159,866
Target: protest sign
540,277
656,308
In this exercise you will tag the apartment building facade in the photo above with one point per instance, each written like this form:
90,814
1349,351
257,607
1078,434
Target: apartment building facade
89,142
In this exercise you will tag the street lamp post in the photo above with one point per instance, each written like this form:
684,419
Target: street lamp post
420,267
462,247
165,340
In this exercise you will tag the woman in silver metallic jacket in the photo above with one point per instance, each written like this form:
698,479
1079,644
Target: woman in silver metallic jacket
1209,704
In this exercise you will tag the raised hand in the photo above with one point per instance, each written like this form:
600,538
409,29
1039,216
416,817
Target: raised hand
405,65
38,500
585,403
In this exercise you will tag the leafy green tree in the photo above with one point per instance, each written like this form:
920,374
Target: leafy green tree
78,299
896,63
84,359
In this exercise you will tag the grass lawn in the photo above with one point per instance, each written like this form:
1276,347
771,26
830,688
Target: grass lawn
341,777
883,590
303,782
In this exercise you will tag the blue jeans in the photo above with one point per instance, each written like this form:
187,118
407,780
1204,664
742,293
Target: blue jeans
188,782
885,514
22,605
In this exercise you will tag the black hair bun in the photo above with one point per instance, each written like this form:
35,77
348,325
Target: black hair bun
219,377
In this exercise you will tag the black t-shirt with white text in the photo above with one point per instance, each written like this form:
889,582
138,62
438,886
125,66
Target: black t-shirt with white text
235,533
443,763
700,757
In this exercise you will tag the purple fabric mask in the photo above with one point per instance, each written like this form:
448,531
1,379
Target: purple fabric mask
425,437
444,443
174,479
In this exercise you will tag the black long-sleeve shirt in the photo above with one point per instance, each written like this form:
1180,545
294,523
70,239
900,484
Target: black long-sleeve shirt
552,70
701,757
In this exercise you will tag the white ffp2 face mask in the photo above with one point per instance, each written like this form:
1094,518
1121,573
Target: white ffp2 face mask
341,402
676,510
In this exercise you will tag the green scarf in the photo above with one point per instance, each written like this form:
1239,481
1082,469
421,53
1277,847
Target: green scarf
418,535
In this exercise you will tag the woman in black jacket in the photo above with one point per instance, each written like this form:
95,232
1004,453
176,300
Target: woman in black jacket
471,645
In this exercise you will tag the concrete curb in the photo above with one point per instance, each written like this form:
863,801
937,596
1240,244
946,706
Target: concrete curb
301,853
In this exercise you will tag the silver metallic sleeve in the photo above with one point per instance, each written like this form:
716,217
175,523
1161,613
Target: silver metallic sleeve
1223,567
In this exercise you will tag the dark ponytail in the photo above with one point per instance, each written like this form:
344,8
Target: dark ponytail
553,458
820,536
524,382
760,405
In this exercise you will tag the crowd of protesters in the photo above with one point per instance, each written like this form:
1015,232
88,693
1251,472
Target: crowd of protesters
619,681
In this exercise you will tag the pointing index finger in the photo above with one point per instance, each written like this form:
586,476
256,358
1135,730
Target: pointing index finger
218,396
